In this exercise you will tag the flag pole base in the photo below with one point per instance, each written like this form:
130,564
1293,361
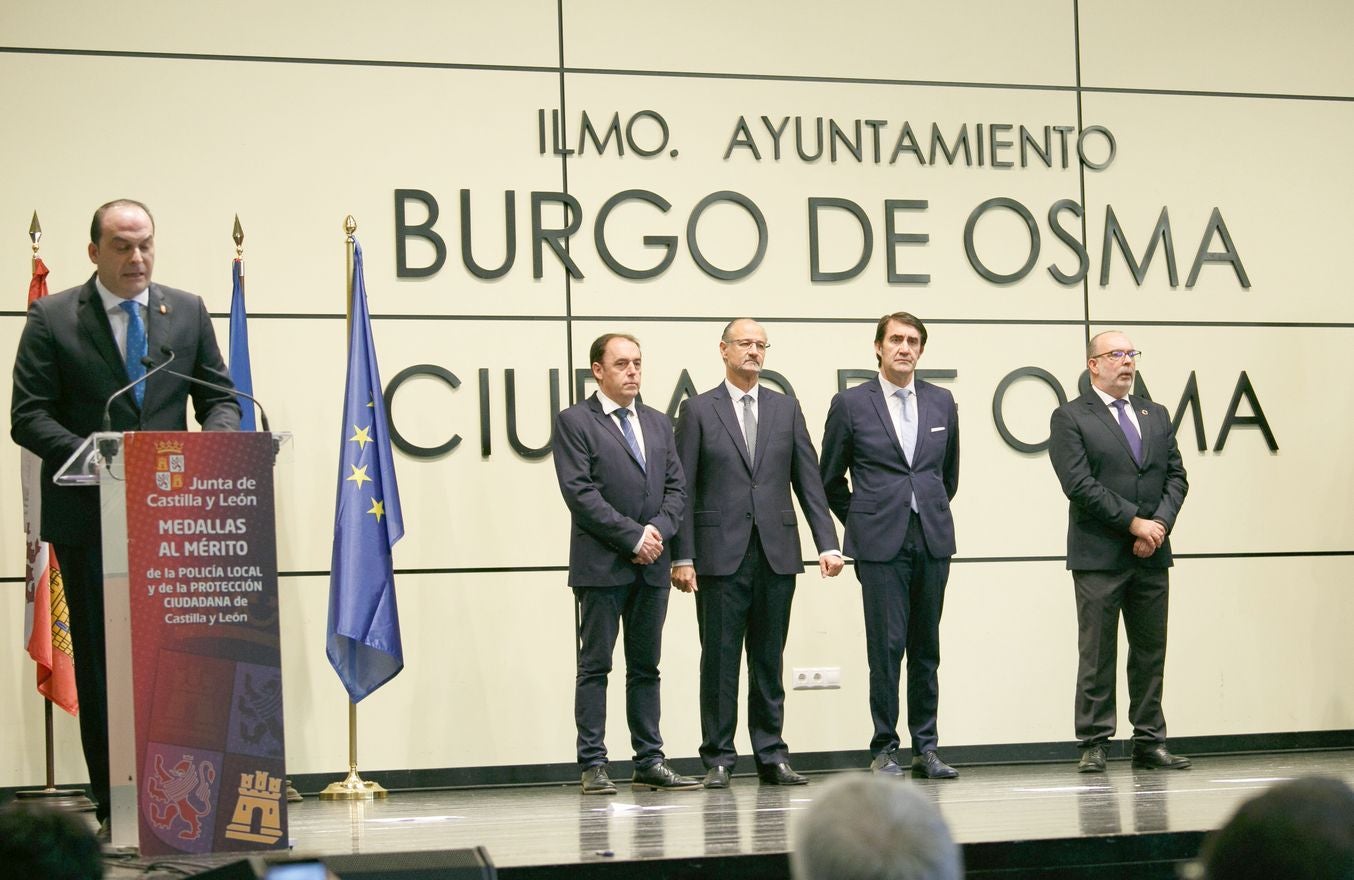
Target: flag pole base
71,800
354,788
293,796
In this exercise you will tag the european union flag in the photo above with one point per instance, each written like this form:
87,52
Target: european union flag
364,623
240,375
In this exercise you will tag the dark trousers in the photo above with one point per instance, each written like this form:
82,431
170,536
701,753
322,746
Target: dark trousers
1141,594
602,610
903,599
82,576
752,607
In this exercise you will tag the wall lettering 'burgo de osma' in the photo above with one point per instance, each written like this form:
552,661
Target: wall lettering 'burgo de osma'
789,140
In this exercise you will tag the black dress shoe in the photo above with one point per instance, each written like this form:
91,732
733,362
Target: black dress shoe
885,764
597,781
716,777
929,765
1155,757
780,774
660,775
1092,760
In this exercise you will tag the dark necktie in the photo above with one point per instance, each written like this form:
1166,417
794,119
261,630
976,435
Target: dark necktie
629,434
1130,432
136,347
750,427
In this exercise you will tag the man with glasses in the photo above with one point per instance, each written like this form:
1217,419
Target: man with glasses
1116,457
743,447
898,436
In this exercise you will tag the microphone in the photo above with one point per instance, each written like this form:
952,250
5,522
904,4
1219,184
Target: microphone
233,392
151,370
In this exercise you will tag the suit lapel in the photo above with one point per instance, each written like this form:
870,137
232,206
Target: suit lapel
881,408
1102,412
94,324
1144,427
610,427
923,413
724,412
654,464
158,316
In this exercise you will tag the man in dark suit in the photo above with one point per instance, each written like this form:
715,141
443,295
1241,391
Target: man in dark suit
742,448
620,477
1116,457
898,436
79,347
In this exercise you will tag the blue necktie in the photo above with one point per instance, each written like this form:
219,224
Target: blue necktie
907,430
629,433
1130,432
136,347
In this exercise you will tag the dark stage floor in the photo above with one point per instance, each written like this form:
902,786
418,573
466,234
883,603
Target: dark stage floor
1007,817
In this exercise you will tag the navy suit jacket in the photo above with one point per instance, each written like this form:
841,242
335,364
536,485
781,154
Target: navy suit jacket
728,495
1106,488
860,438
611,499
67,367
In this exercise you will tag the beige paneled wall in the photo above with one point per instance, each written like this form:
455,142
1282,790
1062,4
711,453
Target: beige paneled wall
266,114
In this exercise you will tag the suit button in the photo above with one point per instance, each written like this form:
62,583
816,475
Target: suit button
747,516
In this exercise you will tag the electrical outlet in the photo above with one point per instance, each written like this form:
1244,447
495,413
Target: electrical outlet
817,678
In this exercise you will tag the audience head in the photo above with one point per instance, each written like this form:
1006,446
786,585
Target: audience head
37,841
863,827
1302,828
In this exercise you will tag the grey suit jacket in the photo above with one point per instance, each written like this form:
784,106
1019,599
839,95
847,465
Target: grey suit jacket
728,496
860,438
611,499
1106,488
68,365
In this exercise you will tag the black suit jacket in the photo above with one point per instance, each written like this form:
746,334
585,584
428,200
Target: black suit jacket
860,438
611,498
68,365
1106,488
728,496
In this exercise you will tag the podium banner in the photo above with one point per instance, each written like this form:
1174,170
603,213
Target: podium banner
206,660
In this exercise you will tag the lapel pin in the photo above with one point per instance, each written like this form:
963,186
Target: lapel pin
1142,412
165,311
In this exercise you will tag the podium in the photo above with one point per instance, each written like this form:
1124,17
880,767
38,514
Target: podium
196,747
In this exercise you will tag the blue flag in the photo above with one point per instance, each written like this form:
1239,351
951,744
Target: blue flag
240,375
364,623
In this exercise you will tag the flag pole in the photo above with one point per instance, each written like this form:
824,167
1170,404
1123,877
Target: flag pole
237,236
353,787
71,799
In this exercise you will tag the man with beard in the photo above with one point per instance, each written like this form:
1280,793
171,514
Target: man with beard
1116,457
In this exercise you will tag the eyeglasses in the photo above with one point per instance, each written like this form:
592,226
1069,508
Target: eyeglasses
1119,354
745,344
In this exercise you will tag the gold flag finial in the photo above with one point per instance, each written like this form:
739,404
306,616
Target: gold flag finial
35,232
349,225
238,235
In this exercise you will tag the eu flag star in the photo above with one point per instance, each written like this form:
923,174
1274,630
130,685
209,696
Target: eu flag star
361,438
378,508
359,475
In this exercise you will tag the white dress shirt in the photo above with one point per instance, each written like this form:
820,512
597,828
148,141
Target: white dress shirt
112,304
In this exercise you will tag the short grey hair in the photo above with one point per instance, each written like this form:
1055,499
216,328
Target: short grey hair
865,827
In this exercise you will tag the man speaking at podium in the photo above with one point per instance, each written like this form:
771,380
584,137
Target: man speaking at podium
78,348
